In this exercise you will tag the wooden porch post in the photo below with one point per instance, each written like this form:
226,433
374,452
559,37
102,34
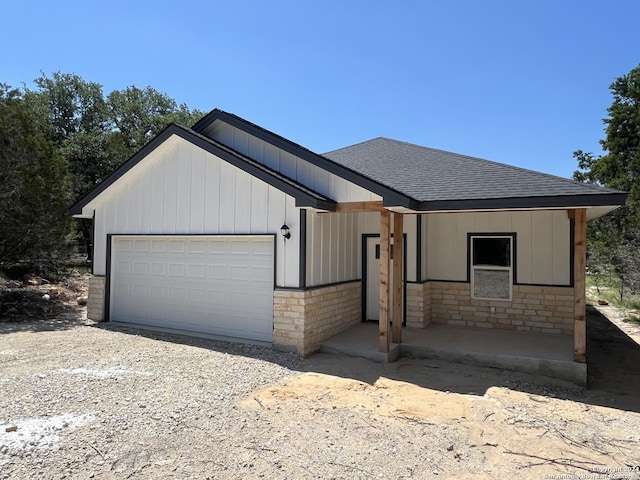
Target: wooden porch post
579,266
385,240
398,261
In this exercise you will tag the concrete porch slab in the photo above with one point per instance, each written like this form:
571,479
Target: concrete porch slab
360,342
534,353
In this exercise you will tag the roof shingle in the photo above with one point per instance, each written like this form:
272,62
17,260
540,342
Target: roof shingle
431,175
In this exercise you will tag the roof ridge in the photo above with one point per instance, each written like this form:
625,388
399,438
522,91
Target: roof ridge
355,145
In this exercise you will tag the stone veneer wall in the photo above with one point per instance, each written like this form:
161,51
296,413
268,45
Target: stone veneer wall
532,308
418,304
95,306
302,319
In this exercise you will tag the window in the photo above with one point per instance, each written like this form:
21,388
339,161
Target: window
491,267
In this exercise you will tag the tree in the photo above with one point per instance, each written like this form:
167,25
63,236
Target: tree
140,114
34,186
613,240
74,114
95,134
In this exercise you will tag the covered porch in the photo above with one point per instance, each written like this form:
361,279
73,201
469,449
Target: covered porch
534,353
559,355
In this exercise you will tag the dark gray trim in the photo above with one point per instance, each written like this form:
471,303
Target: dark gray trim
365,237
418,248
593,200
446,281
93,242
572,250
316,287
302,266
515,284
305,197
275,260
390,196
514,251
107,283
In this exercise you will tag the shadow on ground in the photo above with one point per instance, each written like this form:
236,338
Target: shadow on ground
614,367
613,364
66,321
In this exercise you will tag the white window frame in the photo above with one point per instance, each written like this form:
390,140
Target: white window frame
473,267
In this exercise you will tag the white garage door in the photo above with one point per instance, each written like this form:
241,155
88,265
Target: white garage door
221,285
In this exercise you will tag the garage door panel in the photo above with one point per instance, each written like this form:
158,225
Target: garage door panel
158,268
141,246
176,246
197,246
262,274
219,285
141,268
196,270
176,269
158,246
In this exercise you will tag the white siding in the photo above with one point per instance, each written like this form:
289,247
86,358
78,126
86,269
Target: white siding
333,249
543,243
295,168
334,245
182,189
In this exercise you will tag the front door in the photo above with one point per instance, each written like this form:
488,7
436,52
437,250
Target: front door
372,302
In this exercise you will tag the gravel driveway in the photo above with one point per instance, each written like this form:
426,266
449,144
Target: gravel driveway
96,401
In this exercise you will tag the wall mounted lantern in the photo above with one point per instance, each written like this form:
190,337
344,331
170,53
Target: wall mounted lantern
284,230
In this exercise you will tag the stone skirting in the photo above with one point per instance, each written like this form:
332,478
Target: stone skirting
418,304
95,306
532,308
304,318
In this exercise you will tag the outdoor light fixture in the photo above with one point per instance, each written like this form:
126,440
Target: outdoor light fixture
284,230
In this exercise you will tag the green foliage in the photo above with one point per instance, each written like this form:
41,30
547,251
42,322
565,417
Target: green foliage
614,241
140,114
57,142
608,288
34,186
96,134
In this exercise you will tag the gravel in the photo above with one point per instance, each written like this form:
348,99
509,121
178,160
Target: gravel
135,398
99,401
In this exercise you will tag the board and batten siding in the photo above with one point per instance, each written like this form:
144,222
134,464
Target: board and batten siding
334,245
321,181
543,243
181,189
333,249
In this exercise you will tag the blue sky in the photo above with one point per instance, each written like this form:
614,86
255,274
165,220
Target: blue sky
519,82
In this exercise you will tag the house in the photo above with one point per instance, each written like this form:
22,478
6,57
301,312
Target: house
228,229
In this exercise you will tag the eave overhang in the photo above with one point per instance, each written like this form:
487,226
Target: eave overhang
304,197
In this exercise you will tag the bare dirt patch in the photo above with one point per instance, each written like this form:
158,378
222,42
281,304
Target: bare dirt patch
95,401
43,305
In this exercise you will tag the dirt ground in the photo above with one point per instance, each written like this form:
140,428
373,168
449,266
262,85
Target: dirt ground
85,400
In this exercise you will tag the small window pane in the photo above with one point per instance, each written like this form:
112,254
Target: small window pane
491,284
492,251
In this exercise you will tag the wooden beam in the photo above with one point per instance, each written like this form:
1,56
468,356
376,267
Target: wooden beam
346,207
398,263
571,214
384,323
579,267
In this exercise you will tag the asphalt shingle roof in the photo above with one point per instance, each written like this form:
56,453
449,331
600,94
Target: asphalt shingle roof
428,175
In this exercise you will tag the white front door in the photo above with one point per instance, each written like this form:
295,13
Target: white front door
373,279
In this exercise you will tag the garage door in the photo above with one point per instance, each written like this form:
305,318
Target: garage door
221,285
